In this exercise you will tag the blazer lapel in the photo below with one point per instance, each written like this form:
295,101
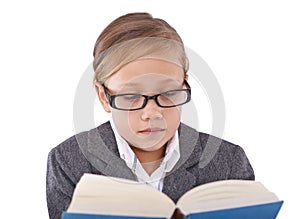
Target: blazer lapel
180,180
177,183
100,149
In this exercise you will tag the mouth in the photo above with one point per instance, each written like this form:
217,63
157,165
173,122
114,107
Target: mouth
149,131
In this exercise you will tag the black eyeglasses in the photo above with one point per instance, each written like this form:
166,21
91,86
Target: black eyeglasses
131,101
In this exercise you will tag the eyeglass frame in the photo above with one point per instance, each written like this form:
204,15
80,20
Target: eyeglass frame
111,98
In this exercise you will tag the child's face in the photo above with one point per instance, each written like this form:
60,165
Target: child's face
151,127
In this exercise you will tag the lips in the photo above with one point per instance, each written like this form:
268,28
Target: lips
149,131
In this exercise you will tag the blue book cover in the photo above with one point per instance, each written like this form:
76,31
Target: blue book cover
67,215
262,211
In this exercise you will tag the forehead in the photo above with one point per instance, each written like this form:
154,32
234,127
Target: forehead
146,74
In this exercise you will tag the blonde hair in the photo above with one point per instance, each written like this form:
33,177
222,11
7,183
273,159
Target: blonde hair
134,36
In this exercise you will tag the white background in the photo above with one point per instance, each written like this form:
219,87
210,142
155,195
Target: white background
253,48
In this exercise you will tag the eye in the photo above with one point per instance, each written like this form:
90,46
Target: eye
170,93
131,97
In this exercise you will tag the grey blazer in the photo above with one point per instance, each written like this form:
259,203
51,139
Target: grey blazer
203,158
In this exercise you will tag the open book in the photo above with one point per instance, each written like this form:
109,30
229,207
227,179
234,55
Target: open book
98,196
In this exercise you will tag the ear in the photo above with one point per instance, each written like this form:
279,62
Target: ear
102,97
186,77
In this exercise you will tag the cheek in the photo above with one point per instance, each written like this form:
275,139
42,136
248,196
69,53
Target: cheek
121,119
172,117
133,120
126,122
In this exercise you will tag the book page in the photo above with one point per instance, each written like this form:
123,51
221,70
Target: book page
95,194
225,194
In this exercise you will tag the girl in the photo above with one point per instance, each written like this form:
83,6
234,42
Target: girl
141,79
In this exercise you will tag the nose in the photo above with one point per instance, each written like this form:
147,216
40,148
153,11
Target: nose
151,111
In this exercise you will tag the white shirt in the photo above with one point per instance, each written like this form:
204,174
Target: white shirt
156,179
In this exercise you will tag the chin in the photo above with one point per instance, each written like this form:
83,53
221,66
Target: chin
150,146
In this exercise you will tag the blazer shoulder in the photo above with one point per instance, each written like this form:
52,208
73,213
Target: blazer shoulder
222,144
70,148
226,156
68,157
67,148
208,143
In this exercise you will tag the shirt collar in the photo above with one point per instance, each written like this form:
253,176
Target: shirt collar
172,153
124,149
